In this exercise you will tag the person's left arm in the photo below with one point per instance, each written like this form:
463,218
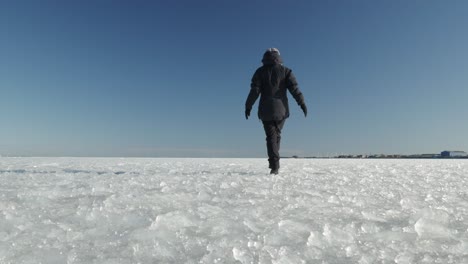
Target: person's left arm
293,88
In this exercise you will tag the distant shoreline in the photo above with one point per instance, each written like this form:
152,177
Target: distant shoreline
377,157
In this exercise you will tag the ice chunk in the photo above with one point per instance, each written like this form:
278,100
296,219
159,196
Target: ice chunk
294,229
315,239
367,259
427,259
433,224
394,236
242,255
432,229
254,244
334,199
313,253
174,221
337,236
224,185
252,225
52,256
287,256
352,250
209,211
203,196
370,228
371,216
166,189
274,238
404,258
410,204
288,233
460,248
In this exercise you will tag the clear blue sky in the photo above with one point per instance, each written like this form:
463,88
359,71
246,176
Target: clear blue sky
170,78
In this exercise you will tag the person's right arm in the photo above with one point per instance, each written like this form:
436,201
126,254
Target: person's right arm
253,94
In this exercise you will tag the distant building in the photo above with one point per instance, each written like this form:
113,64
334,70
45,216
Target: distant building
451,154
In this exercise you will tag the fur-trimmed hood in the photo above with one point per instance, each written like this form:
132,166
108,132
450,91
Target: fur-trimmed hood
271,57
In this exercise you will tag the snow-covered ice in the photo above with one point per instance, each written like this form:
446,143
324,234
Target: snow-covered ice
112,210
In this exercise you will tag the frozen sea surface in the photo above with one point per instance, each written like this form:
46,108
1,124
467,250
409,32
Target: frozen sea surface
90,210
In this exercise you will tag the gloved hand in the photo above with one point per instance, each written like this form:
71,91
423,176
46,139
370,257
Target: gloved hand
247,113
304,109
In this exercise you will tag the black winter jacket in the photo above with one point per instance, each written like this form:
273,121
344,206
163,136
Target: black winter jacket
270,82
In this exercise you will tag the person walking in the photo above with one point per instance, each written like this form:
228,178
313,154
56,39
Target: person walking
270,82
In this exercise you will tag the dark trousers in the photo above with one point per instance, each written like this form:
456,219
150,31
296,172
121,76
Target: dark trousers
273,140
